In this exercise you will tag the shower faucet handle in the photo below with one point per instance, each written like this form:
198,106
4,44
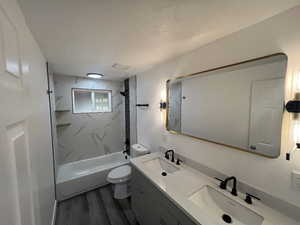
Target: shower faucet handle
125,152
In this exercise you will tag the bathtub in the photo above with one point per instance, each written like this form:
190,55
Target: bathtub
84,175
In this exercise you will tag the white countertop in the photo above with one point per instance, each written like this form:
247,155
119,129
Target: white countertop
179,186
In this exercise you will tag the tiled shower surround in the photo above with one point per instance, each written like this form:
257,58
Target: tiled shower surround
91,134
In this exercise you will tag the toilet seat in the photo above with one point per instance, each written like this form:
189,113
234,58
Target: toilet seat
119,174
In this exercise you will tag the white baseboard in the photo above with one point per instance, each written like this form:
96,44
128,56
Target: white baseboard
54,213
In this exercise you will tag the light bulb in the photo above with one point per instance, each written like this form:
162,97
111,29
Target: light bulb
297,82
297,131
163,96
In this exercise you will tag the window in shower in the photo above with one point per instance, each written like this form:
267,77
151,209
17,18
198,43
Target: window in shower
91,100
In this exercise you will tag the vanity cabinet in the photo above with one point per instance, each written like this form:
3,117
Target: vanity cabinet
151,206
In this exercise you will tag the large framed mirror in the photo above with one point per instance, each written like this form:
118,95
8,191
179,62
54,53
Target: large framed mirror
239,105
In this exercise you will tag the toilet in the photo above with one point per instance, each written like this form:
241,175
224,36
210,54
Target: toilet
121,176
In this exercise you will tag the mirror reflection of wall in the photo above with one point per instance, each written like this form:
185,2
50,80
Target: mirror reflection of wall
240,106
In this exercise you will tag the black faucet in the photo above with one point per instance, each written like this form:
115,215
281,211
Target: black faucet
223,185
167,155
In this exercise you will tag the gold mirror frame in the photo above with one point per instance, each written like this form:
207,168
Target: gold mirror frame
211,70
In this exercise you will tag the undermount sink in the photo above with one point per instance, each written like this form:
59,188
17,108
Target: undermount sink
160,166
222,209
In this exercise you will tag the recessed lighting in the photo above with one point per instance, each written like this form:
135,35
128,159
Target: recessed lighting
95,75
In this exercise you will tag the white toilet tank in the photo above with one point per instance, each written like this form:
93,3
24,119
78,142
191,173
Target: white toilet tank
138,150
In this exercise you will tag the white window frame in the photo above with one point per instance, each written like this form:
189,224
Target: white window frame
92,91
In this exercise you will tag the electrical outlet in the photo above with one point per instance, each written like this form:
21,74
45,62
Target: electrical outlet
296,179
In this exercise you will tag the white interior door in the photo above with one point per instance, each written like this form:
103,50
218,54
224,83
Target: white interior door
16,190
266,116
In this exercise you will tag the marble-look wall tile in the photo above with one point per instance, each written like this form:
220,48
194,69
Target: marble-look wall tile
91,134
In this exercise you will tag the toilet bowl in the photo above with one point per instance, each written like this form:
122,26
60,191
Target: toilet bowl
121,176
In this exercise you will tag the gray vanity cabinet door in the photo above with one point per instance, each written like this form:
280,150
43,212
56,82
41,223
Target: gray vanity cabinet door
138,205
171,214
177,214
142,201
151,206
166,217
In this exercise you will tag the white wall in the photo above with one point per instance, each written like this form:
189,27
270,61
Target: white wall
278,34
33,111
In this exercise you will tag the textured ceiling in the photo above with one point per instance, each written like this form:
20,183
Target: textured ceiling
80,36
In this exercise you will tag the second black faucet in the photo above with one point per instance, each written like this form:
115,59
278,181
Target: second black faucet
172,155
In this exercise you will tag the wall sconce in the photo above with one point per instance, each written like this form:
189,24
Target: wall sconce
163,105
163,97
293,106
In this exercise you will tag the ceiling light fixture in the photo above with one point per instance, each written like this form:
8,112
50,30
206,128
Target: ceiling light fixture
95,75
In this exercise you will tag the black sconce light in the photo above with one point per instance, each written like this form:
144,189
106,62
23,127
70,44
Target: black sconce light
293,106
163,105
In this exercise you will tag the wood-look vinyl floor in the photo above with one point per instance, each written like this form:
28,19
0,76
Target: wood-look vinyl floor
97,207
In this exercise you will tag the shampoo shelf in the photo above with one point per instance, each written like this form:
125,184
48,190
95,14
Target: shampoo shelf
62,110
63,124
